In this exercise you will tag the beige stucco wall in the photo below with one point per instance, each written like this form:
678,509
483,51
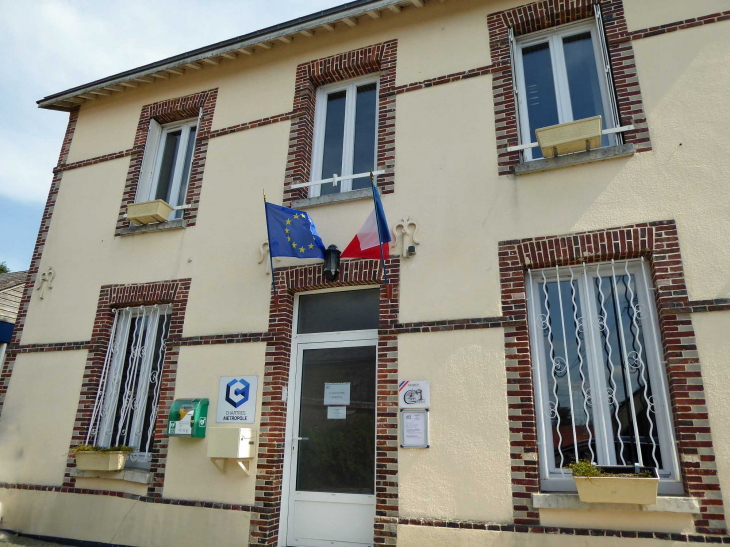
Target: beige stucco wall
189,473
38,417
428,536
651,13
446,178
120,521
469,433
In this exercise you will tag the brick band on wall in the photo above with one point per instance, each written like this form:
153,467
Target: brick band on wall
657,242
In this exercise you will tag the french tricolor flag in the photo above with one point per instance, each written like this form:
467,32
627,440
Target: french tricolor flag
367,241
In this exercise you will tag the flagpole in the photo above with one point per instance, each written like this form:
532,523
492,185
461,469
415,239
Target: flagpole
377,221
268,235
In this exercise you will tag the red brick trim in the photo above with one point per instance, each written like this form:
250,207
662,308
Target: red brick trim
111,297
50,346
233,338
92,161
313,74
35,261
679,25
545,14
167,111
252,125
454,77
495,527
658,242
289,281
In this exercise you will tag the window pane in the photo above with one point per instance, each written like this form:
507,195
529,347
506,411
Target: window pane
167,167
186,172
583,82
339,311
365,124
334,132
542,108
337,455
622,387
565,334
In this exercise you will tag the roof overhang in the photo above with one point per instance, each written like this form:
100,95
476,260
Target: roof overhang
231,49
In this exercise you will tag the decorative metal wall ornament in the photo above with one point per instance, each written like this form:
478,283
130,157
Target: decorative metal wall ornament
264,256
406,232
45,282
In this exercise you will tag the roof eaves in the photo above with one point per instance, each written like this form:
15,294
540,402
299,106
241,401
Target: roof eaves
338,13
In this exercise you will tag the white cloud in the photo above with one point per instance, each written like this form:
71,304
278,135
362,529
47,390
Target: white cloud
52,45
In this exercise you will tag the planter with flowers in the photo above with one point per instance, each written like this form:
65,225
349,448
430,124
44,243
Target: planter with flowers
615,484
96,458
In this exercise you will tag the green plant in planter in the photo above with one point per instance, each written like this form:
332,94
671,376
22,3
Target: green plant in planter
584,468
89,448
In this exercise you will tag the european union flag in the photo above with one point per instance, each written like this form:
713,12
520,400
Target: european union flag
292,233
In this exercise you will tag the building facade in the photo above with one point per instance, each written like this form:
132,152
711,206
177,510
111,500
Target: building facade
560,308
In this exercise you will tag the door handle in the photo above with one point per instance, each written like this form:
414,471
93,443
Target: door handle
302,438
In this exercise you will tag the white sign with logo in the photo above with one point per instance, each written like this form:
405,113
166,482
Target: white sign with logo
337,394
336,412
414,394
237,400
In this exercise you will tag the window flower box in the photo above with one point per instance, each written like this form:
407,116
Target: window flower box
147,212
94,458
617,484
570,137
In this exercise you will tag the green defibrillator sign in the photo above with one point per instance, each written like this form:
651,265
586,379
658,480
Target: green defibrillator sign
188,418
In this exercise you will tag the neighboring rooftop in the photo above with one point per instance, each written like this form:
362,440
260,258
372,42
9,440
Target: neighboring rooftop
11,292
302,28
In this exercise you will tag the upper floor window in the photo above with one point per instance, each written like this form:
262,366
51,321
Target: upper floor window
600,385
166,165
125,411
345,134
561,76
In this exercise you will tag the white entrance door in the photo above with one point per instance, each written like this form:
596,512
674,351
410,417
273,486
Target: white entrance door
332,448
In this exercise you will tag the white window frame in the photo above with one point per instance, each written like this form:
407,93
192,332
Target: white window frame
150,365
348,141
152,162
560,77
553,478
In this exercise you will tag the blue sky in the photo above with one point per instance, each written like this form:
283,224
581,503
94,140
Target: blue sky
52,45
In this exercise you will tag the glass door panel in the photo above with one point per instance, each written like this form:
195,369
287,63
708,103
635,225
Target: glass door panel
336,449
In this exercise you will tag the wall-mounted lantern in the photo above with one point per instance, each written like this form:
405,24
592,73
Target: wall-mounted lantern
331,263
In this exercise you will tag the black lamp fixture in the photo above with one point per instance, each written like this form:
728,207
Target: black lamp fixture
332,263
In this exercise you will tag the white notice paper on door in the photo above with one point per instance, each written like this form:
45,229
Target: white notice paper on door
337,394
336,412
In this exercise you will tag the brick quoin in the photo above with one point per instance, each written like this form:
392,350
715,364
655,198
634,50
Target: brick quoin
658,243
111,298
344,66
270,463
171,110
548,14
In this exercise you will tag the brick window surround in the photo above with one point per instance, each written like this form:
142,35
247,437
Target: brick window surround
270,461
344,66
546,14
658,243
111,297
167,111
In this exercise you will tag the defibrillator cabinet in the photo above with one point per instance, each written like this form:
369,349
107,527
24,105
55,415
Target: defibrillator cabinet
188,418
